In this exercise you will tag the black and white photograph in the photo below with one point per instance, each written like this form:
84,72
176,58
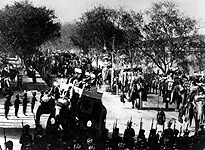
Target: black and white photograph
102,74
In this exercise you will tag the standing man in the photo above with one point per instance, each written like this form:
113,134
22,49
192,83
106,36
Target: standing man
33,101
16,105
25,102
7,105
26,138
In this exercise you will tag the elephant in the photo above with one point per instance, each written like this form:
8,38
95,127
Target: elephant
195,107
138,93
46,107
73,109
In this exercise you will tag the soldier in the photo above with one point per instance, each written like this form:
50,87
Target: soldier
168,136
141,140
7,105
52,132
25,102
26,139
33,101
161,117
9,145
39,138
16,105
201,132
116,139
129,134
153,140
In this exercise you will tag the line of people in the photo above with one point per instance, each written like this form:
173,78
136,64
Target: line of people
17,103
54,138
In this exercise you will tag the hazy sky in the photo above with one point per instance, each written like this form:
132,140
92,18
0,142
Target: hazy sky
68,10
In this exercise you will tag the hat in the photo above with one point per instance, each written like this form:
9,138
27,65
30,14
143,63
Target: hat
26,127
153,131
142,131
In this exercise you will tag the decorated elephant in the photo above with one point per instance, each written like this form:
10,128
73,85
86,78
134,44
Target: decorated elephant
75,106
138,93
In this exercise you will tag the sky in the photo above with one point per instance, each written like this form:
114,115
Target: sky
69,10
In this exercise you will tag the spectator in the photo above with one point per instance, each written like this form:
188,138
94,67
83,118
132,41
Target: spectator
33,101
25,102
7,105
16,105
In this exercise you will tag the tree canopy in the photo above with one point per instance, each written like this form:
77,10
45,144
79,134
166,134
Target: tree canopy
167,33
103,26
25,27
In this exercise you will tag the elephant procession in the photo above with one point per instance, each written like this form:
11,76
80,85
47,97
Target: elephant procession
77,117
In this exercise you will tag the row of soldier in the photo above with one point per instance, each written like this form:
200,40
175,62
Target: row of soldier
17,103
54,138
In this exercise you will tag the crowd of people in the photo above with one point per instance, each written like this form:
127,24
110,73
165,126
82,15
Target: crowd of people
53,138
173,88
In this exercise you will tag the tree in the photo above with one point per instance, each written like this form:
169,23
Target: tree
25,27
104,27
96,28
167,32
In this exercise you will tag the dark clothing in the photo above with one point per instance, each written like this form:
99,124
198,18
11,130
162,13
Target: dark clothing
115,140
7,106
33,103
55,92
161,117
26,141
16,106
4,74
25,102
168,137
34,77
153,140
52,133
128,138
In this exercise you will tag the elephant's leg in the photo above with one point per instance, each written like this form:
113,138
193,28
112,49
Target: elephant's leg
197,121
52,115
138,101
38,115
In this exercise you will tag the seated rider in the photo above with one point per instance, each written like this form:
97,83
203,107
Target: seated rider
55,91
77,76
